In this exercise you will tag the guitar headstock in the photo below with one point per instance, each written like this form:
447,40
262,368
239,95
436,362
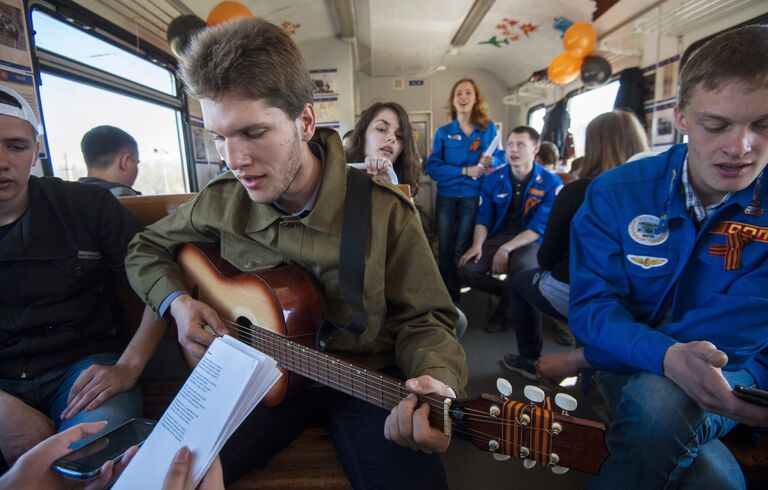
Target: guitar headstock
532,431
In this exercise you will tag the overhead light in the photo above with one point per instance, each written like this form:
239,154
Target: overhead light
476,14
345,13
453,51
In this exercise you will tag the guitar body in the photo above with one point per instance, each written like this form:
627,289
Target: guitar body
282,300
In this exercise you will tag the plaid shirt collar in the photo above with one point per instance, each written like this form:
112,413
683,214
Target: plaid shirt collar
692,203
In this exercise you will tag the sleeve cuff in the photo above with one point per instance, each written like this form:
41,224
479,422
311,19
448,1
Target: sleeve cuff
166,303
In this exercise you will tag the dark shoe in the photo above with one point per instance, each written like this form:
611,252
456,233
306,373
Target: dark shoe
521,366
564,335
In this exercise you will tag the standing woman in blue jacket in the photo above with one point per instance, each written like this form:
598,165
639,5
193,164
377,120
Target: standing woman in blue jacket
457,163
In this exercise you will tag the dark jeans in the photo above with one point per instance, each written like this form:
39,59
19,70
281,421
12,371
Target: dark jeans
357,429
455,223
526,303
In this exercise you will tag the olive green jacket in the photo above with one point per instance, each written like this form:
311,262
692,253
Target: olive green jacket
411,316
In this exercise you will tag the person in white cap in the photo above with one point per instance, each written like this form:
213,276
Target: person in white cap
61,246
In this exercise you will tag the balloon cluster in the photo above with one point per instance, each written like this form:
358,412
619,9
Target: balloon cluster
182,29
579,41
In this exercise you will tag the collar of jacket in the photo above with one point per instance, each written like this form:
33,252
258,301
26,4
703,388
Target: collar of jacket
676,196
24,240
328,213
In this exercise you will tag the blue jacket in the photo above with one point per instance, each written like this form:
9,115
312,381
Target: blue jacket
643,278
496,196
452,150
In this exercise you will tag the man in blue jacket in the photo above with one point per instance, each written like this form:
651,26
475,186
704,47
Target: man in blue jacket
669,277
515,202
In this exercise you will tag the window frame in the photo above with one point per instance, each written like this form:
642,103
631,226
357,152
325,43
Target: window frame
61,66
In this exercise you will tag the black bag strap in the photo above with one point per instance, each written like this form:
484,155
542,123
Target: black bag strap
354,238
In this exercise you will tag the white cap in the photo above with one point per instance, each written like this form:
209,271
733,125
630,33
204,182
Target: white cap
25,113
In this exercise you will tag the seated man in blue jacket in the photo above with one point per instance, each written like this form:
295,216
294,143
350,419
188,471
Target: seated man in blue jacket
668,279
515,202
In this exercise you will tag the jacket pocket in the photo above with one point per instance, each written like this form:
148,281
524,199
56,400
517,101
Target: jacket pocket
247,255
455,151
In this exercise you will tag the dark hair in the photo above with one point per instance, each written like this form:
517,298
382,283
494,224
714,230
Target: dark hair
102,144
532,133
548,153
407,166
250,58
739,55
480,116
612,137
347,134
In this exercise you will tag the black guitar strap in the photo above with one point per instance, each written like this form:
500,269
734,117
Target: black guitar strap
354,237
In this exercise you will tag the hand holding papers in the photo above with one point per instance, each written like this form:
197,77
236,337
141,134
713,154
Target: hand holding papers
488,153
230,380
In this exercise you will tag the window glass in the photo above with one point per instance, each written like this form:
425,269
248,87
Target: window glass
536,119
70,42
585,107
71,108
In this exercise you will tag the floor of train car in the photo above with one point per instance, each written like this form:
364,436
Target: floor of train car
465,465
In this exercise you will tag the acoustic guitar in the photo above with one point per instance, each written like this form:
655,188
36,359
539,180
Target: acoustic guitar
278,312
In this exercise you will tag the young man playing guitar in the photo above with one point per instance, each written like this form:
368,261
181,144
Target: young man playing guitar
283,202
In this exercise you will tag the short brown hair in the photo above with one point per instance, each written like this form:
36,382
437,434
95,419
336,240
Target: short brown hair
481,115
612,137
250,58
548,153
738,55
407,166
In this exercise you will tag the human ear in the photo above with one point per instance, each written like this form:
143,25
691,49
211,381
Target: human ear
680,121
305,123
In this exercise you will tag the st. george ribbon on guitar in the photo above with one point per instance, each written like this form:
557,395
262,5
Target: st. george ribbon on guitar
278,312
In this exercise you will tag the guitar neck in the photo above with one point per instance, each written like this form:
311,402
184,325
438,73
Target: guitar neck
360,382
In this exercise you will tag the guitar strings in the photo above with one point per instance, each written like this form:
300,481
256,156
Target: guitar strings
273,340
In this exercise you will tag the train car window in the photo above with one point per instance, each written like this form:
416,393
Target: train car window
88,82
536,118
72,108
586,106
68,41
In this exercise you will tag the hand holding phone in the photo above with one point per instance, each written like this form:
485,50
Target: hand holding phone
85,463
752,395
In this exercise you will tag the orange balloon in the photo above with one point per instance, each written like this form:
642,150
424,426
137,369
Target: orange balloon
225,11
579,40
564,68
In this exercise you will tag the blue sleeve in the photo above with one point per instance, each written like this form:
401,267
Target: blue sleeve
163,309
436,167
485,212
538,222
599,288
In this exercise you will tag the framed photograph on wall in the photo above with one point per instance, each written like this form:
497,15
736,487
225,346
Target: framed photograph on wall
422,132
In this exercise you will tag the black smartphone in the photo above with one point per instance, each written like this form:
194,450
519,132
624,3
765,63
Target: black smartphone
753,395
84,463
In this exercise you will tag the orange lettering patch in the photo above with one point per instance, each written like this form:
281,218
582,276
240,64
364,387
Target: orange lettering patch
758,233
475,144
536,192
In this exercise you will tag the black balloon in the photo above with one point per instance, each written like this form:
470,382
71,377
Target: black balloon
180,31
595,71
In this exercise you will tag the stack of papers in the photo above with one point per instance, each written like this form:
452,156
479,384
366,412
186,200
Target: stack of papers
230,380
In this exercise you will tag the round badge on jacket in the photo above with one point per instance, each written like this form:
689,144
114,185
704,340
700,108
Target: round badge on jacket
645,230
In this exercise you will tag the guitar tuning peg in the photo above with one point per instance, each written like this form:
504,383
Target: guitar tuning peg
534,393
504,387
559,470
529,463
566,402
500,457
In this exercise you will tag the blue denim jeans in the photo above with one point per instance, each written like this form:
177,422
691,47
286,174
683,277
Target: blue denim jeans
48,393
660,438
455,223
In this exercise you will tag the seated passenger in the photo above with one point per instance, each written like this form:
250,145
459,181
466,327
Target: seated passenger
668,272
112,158
284,202
611,139
61,246
548,155
515,202
383,139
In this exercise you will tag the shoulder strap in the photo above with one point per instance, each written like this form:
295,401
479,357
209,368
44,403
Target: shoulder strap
354,237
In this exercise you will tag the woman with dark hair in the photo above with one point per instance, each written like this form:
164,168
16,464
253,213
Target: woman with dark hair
383,139
612,138
461,151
